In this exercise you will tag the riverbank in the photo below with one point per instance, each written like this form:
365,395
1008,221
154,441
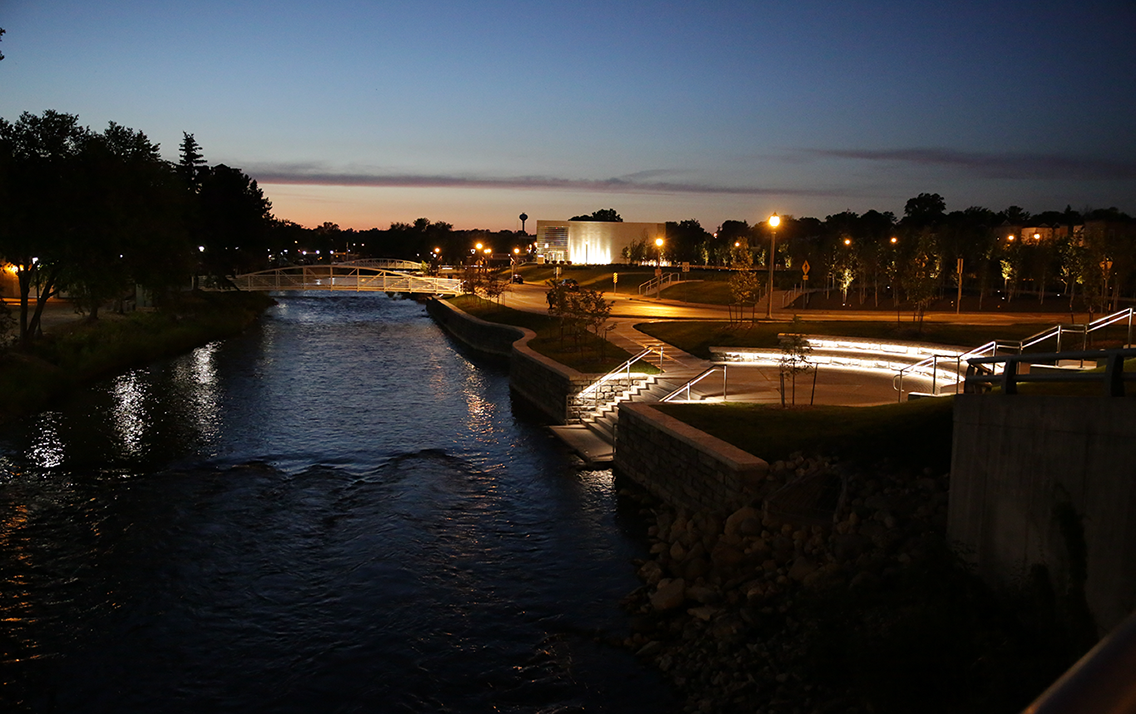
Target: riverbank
867,612
833,589
77,352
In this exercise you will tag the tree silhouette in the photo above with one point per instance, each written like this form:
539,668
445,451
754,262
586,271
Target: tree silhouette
604,214
192,165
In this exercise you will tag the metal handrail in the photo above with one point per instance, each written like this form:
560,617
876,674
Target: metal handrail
658,283
1020,346
1101,681
1113,376
695,380
933,363
625,367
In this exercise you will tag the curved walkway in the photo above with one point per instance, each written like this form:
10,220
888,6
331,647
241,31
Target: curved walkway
833,386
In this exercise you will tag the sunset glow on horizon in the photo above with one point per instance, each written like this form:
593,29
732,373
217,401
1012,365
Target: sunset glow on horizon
364,114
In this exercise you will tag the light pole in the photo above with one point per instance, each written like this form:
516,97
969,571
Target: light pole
774,221
659,270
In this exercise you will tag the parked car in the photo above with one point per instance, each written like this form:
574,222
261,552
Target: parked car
518,279
570,284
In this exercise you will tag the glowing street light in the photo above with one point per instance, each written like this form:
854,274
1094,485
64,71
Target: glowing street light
774,221
659,270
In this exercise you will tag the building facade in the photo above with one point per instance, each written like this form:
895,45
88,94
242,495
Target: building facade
592,242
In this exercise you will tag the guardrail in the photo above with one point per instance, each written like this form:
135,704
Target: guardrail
990,349
1112,377
657,284
698,378
1101,681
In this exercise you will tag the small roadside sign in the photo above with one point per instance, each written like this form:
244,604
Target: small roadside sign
805,270
685,267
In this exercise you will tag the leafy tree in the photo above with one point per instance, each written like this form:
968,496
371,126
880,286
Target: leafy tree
924,210
235,222
128,219
1,35
40,226
686,242
920,276
795,351
745,289
730,237
635,252
604,214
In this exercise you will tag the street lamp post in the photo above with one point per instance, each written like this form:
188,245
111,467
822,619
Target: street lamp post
774,221
659,270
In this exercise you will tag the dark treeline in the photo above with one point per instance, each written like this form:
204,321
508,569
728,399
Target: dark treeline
95,215
1088,255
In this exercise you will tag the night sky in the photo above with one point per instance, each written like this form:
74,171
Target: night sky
364,113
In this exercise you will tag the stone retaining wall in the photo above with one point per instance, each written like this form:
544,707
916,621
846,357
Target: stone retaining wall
683,466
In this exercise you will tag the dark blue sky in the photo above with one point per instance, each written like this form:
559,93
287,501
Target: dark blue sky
364,113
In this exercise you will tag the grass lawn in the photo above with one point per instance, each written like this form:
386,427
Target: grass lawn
915,433
587,357
711,283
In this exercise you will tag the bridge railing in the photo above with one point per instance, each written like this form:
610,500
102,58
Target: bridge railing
347,278
384,264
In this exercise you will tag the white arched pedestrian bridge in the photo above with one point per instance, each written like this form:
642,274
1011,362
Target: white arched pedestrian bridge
346,277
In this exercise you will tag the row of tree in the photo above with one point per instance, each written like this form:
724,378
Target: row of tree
97,213
1088,255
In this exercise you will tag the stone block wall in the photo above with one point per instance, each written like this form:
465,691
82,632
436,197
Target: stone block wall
683,466
1048,481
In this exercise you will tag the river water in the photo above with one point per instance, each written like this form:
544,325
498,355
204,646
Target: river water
336,511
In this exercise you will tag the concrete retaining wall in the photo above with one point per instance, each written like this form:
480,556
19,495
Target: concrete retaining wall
489,338
549,386
1025,470
684,466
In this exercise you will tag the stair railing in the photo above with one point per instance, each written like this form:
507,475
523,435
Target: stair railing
695,380
593,389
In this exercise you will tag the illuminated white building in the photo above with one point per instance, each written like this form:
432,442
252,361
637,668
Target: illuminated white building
593,242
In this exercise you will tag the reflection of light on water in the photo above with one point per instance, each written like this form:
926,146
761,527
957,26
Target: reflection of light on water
204,369
47,448
597,483
129,395
202,387
481,411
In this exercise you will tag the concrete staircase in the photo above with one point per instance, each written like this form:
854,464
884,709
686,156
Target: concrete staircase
603,419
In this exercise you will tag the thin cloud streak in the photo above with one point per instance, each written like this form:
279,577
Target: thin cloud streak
302,175
998,165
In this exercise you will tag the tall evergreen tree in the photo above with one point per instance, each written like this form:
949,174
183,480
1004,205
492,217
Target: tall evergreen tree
192,165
